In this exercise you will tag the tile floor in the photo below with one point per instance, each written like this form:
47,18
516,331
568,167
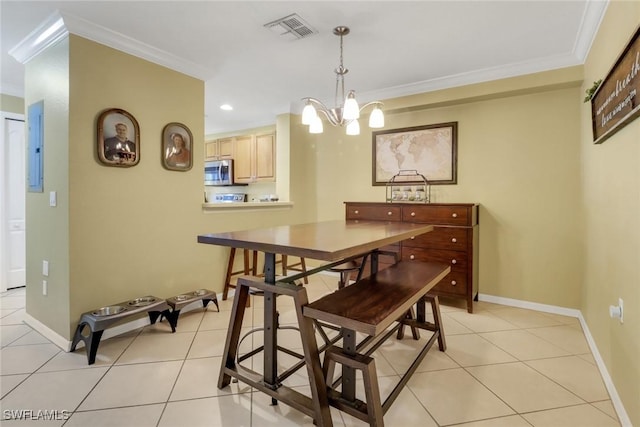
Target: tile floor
504,366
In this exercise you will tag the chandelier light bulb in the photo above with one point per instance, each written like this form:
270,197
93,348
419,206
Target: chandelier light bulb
316,125
353,128
376,119
351,108
309,113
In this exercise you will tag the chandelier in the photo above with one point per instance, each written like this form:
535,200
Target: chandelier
347,112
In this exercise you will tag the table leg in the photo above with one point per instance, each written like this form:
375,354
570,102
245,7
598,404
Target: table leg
270,326
233,335
348,373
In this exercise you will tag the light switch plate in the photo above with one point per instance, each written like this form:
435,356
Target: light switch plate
53,198
45,268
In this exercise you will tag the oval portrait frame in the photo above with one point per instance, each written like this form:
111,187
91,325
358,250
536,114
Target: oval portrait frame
112,149
177,158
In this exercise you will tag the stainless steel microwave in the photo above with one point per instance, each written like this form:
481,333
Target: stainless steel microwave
218,172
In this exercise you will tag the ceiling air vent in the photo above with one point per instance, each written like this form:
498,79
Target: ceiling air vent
292,27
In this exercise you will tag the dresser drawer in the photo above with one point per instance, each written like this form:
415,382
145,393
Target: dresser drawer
452,238
457,260
438,214
453,283
374,213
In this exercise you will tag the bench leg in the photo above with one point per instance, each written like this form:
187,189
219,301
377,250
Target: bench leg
373,413
437,320
414,331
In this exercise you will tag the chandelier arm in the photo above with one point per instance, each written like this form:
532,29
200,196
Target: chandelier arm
371,103
320,107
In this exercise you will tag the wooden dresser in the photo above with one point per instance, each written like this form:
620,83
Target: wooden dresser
454,240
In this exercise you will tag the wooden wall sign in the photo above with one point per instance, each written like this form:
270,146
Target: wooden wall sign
615,103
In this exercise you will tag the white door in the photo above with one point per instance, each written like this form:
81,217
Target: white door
12,211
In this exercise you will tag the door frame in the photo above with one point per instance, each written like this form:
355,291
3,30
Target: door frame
4,223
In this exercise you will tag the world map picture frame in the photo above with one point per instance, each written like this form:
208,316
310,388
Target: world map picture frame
431,150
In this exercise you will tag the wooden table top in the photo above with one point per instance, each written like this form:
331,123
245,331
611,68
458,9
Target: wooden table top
327,241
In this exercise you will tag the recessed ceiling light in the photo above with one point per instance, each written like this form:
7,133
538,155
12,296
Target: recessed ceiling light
226,107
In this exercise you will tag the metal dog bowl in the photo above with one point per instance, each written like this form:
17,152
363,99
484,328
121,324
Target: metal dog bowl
142,301
181,297
109,311
200,292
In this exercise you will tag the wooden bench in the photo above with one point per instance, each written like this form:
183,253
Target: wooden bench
100,319
371,306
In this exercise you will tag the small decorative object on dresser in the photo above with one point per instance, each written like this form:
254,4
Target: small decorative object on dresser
454,240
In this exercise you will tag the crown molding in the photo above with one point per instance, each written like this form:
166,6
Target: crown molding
50,32
61,24
126,44
593,15
472,77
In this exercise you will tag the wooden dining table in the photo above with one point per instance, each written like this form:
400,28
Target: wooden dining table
330,241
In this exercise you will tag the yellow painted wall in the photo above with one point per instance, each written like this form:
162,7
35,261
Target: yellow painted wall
611,193
47,228
11,104
120,233
518,157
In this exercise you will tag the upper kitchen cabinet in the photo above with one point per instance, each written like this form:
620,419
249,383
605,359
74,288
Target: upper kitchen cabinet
254,158
218,149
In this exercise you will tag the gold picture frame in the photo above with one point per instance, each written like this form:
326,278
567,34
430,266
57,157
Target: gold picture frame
118,138
177,147
431,150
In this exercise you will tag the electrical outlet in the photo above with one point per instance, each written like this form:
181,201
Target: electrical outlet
53,199
45,267
617,312
44,287
621,305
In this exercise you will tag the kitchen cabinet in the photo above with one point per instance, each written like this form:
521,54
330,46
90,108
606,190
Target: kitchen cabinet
254,158
218,149
454,240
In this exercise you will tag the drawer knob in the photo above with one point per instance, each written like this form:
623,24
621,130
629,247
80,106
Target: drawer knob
455,215
453,261
453,283
413,237
454,240
389,213
413,214
356,212
412,257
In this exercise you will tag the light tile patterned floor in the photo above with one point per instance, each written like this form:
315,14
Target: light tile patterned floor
504,366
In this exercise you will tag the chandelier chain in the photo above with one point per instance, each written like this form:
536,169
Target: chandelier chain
340,72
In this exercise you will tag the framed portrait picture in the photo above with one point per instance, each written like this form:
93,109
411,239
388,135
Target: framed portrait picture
431,150
177,142
118,138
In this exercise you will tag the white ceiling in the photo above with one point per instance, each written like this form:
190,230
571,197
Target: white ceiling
395,47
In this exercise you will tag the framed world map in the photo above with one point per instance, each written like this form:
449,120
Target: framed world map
430,149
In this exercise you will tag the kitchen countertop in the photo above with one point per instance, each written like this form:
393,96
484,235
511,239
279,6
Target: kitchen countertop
211,207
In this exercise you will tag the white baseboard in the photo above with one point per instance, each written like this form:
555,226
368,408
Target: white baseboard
608,382
47,332
553,309
571,312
